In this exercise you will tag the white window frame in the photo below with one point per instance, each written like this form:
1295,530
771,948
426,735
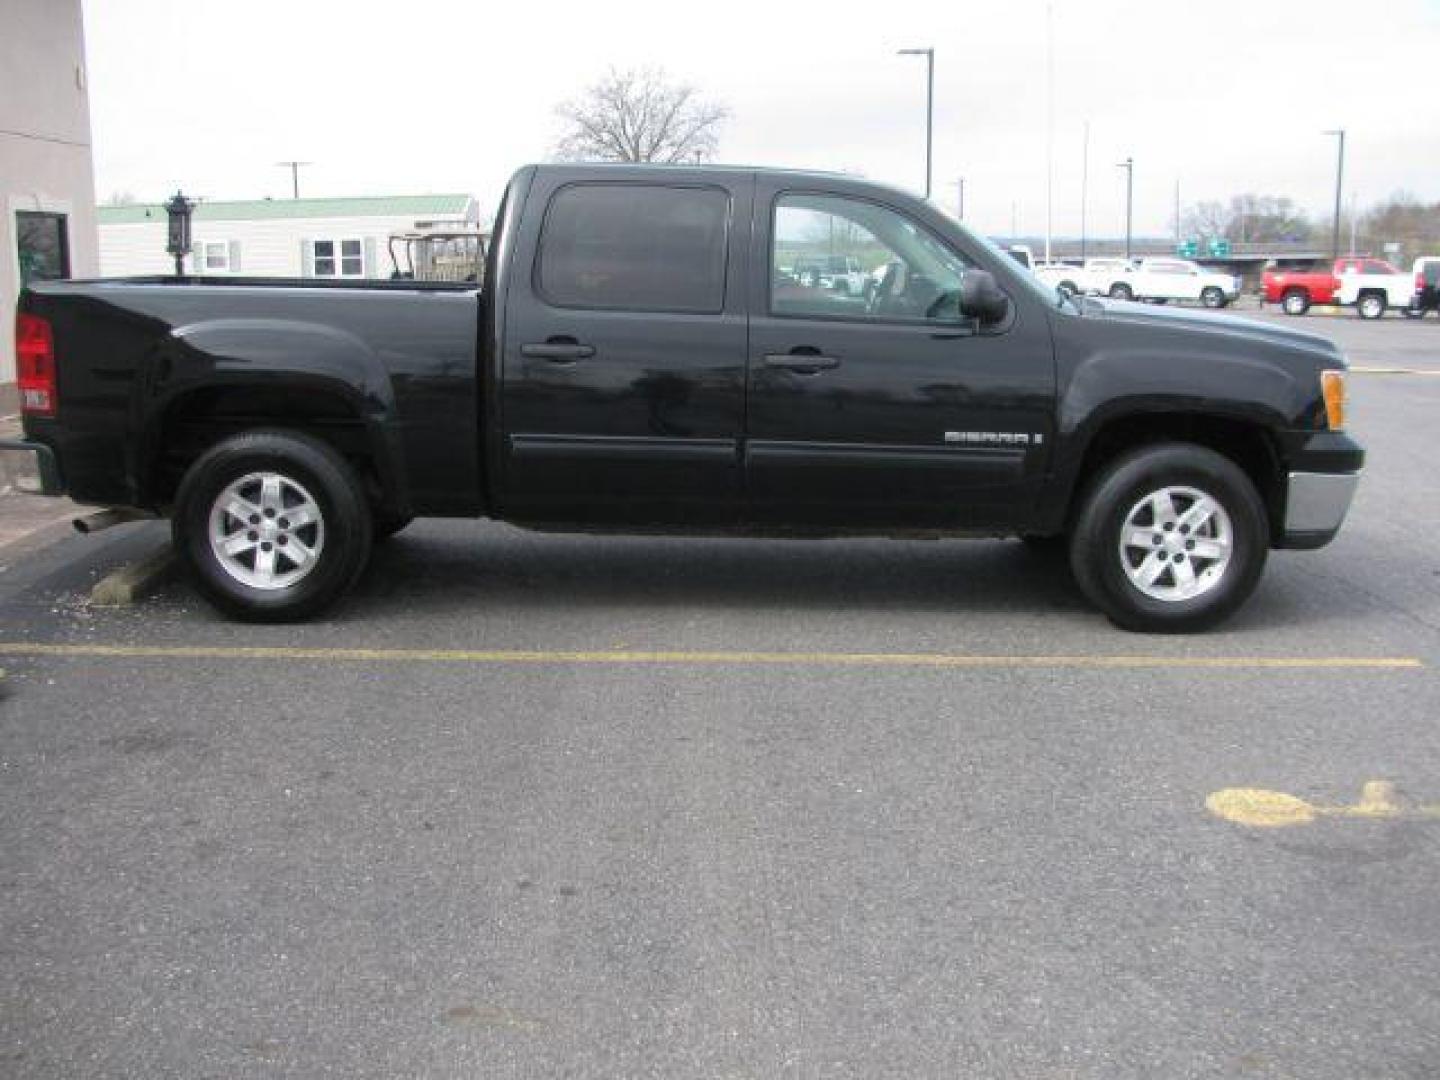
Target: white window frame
201,253
337,256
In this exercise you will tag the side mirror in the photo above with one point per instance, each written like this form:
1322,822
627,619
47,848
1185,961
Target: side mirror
981,298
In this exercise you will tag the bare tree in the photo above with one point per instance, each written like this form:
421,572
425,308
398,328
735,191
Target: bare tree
639,115
1249,218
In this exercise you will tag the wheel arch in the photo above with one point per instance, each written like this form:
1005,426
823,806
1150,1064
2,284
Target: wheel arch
203,415
218,378
1250,444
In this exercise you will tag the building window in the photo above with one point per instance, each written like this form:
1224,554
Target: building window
213,257
42,240
339,258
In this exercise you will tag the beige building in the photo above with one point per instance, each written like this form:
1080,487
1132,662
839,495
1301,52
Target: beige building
47,177
330,237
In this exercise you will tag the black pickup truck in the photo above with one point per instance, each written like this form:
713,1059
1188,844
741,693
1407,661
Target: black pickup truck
644,357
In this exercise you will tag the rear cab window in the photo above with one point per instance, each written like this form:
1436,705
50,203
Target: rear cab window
635,247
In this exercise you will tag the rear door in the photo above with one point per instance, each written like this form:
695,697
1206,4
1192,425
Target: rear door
884,409
624,349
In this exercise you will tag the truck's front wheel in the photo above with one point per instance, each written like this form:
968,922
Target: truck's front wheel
1295,302
274,525
1371,305
1170,538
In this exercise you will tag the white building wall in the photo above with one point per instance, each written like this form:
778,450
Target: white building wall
45,159
268,248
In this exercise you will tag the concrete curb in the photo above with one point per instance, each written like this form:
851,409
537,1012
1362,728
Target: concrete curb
134,580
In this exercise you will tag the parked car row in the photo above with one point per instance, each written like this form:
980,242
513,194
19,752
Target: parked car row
1158,280
1370,286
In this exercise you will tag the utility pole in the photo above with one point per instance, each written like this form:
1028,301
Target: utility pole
929,55
1339,182
1129,166
1084,185
294,167
1177,212
1049,126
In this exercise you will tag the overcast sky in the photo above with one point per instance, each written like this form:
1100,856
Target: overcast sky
447,95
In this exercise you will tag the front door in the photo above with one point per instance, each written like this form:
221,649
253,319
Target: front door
880,406
624,352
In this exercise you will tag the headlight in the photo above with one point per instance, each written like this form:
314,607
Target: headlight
1332,387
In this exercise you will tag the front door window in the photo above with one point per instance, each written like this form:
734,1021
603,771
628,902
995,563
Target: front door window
850,259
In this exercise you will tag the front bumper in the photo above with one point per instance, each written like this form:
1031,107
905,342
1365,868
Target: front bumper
1315,507
31,467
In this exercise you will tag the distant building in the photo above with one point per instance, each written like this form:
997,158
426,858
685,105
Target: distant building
322,238
47,176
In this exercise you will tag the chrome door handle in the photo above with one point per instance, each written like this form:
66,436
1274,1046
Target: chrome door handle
560,352
805,363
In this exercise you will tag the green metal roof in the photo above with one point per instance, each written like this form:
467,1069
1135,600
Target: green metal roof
271,209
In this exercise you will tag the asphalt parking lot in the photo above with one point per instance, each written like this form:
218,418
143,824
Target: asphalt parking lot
563,806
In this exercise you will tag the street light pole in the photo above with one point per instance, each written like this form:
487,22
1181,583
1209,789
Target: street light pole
1084,184
929,55
1339,182
1049,127
1129,166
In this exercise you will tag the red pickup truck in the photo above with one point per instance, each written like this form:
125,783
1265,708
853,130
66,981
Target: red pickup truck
1296,290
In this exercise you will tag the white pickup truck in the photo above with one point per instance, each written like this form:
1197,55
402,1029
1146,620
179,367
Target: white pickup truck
1160,280
1371,286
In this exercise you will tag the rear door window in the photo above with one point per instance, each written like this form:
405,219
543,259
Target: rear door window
635,247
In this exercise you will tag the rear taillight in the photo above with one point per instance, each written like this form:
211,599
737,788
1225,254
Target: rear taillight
35,365
1420,281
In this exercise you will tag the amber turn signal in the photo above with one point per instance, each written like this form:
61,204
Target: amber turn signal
1332,385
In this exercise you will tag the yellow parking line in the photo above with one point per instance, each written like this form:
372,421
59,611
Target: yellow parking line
737,658
1262,809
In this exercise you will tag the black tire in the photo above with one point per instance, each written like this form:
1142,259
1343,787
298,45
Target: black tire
1370,305
1095,546
1121,291
302,461
385,525
1070,287
1295,302
1414,312
1213,297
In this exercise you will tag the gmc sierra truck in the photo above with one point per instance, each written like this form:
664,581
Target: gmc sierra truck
636,361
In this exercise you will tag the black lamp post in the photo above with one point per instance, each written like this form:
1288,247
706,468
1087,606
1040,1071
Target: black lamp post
929,55
1129,166
179,209
1339,183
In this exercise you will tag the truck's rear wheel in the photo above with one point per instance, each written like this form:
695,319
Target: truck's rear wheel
1213,297
274,525
1121,291
1295,302
1170,538
1371,305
